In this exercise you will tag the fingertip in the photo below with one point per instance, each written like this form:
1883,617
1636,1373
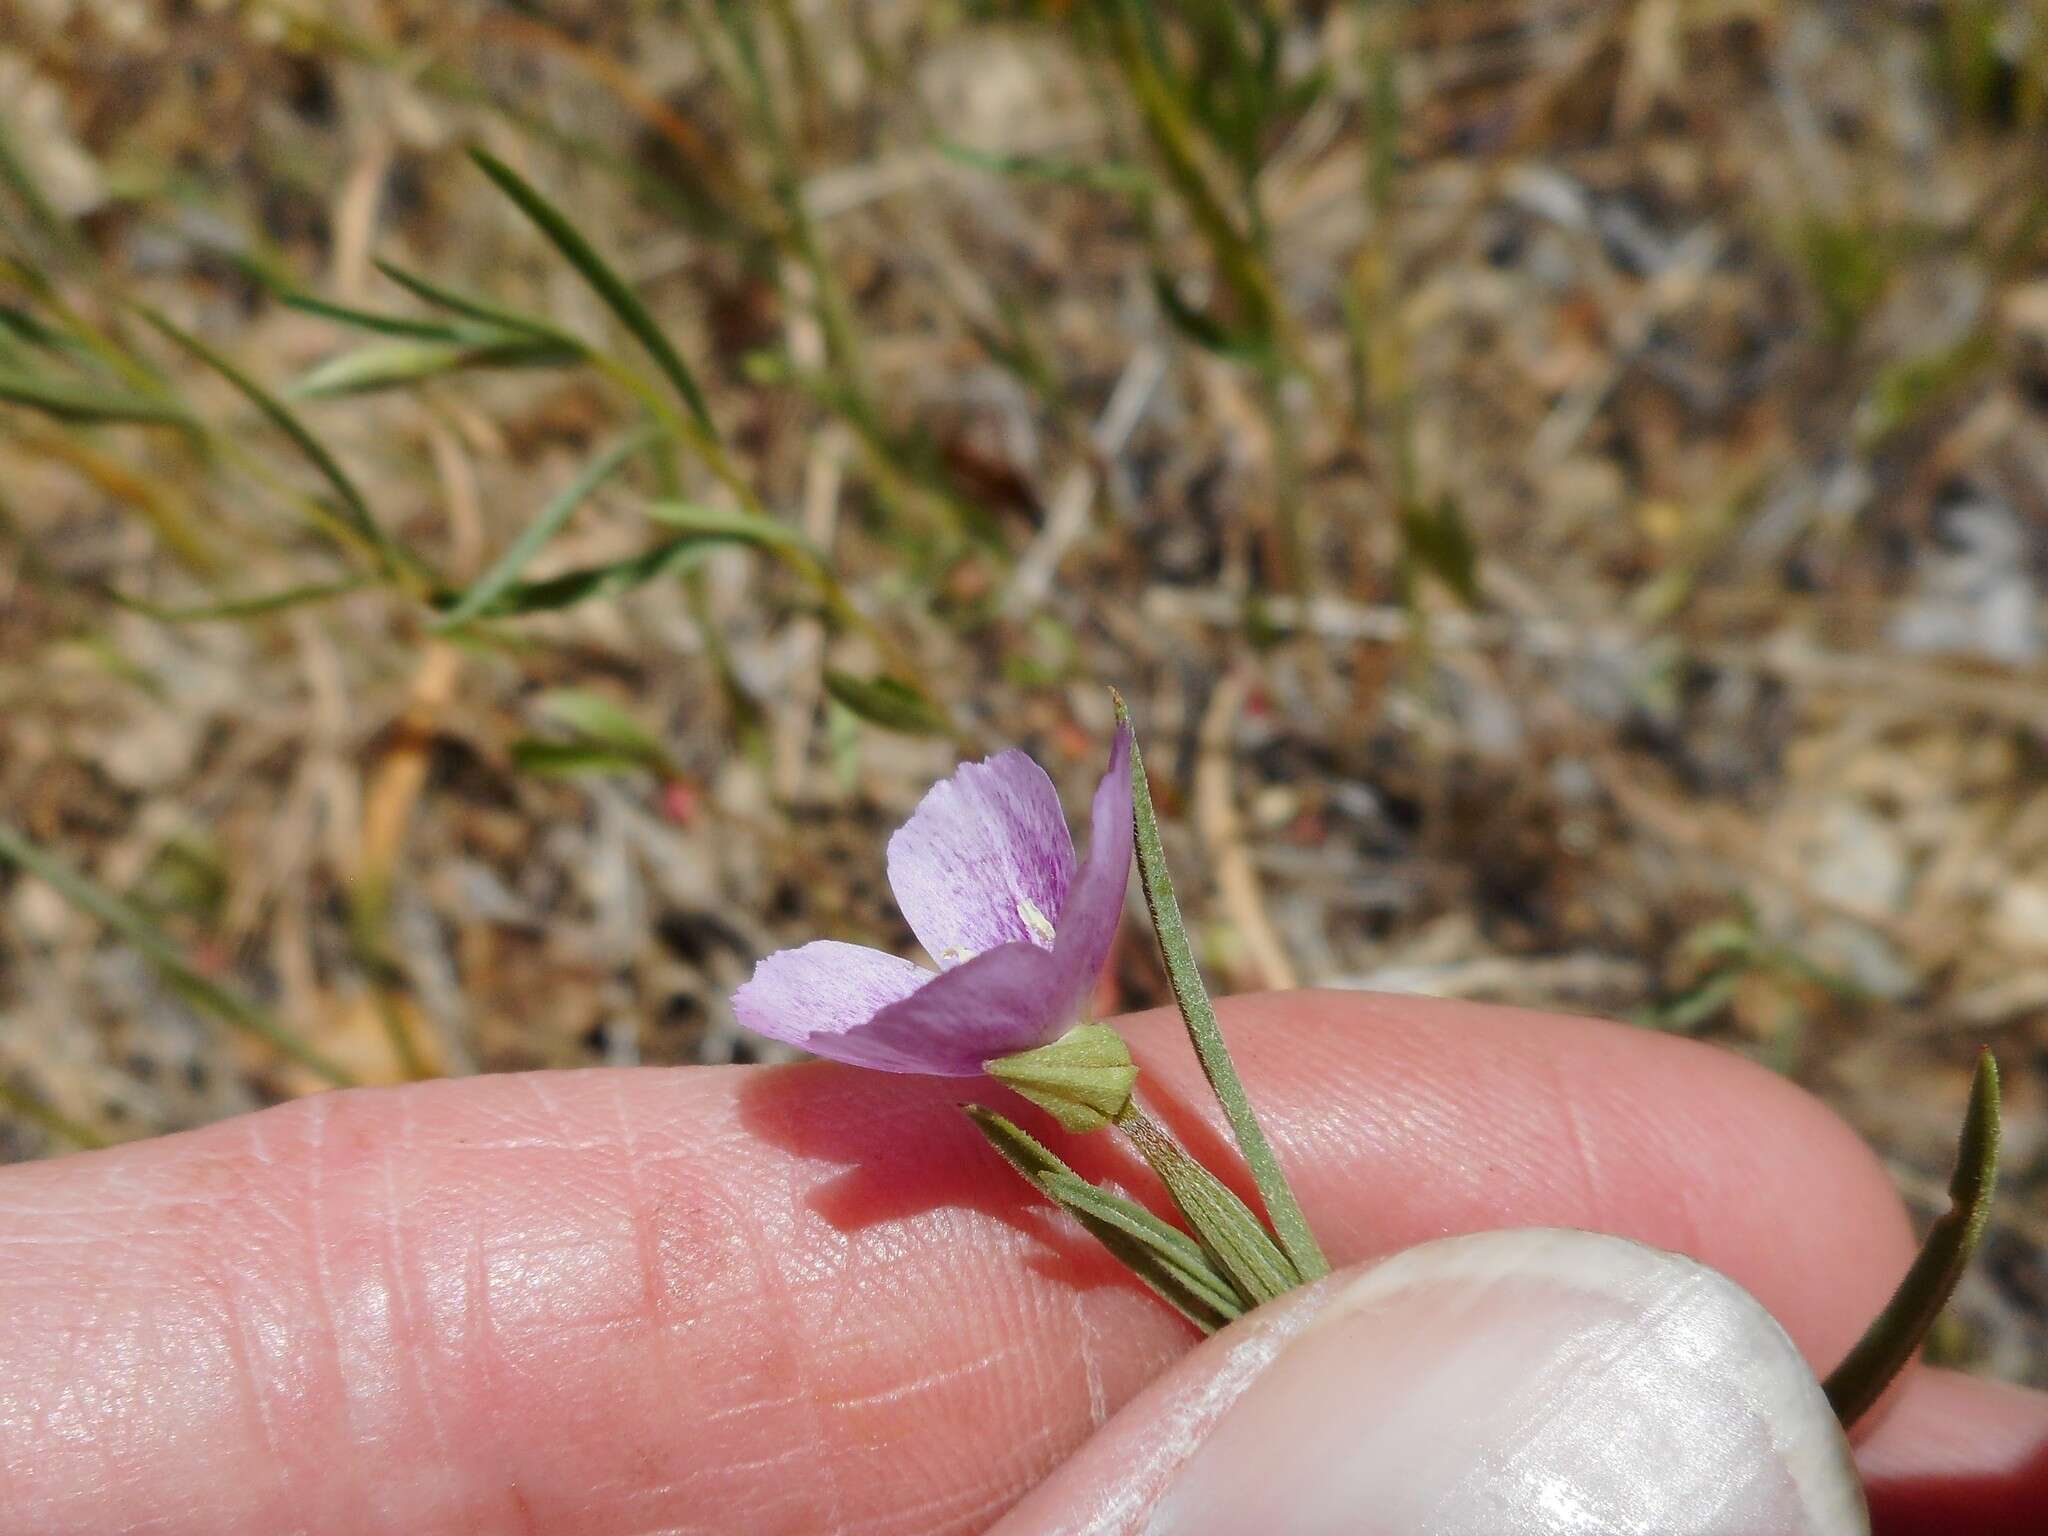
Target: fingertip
1956,1453
1405,1118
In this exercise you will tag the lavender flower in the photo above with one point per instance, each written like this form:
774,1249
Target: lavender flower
986,875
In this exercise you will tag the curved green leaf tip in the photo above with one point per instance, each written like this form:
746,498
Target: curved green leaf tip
1889,1342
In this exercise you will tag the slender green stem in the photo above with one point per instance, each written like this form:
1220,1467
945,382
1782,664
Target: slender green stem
1200,1016
1888,1343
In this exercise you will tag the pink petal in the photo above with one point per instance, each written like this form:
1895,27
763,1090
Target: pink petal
995,820
813,996
1004,1000
1086,924
979,846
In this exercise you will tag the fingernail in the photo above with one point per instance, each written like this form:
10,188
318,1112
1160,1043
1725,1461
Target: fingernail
1542,1382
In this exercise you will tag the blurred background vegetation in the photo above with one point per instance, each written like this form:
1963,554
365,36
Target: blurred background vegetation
503,507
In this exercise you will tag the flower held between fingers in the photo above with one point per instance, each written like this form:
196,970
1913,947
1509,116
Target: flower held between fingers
987,878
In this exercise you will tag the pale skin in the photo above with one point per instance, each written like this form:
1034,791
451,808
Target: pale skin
809,1299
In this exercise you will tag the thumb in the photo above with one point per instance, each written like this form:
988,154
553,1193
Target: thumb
1538,1381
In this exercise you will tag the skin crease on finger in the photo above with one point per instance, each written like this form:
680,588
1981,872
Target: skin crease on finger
797,1299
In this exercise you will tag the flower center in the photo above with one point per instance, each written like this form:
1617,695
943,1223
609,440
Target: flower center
1035,920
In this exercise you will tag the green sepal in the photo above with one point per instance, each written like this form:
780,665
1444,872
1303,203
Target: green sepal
1170,1263
1083,1079
1855,1385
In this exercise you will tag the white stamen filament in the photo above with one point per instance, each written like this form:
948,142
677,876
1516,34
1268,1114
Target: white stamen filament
1035,920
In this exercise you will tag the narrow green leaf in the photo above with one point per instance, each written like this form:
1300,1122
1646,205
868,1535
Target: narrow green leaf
1119,176
1160,1244
404,361
430,292
597,718
278,282
1441,542
607,283
738,527
503,574
1168,1261
240,607
355,510
1229,1233
136,929
48,219
570,759
1888,1343
25,327
1908,389
888,703
370,320
554,593
76,400
1199,1014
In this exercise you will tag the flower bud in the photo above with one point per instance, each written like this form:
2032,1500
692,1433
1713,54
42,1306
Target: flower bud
1083,1079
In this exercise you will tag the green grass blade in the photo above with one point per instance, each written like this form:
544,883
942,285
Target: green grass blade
555,593
731,526
430,292
1115,176
1199,1014
275,280
607,283
237,608
1855,1385
369,320
502,574
135,928
401,362
889,703
355,510
504,571
81,402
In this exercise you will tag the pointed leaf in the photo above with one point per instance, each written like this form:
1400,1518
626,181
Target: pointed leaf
404,361
1235,1240
610,287
1855,1385
733,526
889,703
1199,1014
430,292
241,607
569,759
555,593
503,574
355,510
1166,1260
597,718
78,400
